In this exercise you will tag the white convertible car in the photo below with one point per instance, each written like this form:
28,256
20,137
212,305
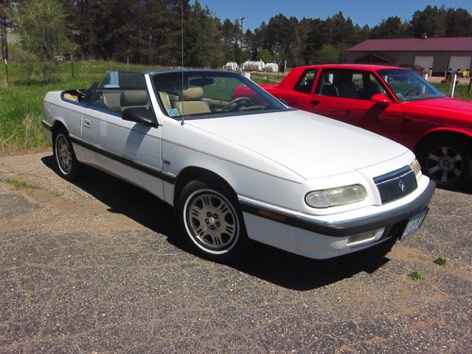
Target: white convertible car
238,165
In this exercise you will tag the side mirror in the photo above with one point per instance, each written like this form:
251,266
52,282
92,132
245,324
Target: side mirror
139,115
381,98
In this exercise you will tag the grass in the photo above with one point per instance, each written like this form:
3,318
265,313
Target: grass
18,183
266,78
20,116
21,98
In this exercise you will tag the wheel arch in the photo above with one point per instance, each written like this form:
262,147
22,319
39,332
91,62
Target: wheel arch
447,170
58,126
234,242
457,135
198,173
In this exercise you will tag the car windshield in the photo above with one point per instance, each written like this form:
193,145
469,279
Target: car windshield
210,93
409,86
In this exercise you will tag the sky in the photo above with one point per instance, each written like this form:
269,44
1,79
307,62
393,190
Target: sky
361,12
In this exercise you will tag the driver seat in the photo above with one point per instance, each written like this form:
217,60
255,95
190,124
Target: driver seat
190,102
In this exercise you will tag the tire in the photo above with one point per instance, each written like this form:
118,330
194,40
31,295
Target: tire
447,162
211,222
67,165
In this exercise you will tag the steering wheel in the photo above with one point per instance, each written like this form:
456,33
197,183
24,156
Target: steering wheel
237,102
415,90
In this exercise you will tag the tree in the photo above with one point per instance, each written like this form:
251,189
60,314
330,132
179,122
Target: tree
255,41
302,33
280,36
392,27
267,56
315,39
429,22
342,30
328,54
157,31
163,26
459,23
194,36
230,33
82,16
41,25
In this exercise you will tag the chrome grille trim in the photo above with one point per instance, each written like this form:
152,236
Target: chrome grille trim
396,184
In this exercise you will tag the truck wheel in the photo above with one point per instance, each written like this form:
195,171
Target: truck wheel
211,222
447,162
67,164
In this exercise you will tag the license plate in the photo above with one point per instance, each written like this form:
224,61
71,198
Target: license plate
415,223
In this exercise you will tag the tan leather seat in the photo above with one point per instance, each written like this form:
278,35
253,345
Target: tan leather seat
165,100
133,98
190,102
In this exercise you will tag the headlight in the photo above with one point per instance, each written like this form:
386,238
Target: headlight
415,166
336,196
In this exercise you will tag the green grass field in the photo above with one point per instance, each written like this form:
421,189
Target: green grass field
21,98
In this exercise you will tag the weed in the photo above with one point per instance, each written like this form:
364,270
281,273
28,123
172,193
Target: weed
441,260
416,276
18,183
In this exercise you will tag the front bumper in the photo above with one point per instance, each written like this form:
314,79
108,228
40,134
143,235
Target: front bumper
347,227
315,238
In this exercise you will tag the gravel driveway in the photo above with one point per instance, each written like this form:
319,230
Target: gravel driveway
97,267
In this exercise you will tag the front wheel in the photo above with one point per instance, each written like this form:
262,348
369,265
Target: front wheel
211,221
447,162
67,164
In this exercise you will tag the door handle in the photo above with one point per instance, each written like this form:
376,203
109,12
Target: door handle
87,123
314,103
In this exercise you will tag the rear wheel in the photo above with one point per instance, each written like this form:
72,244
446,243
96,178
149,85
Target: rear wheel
66,162
447,162
211,221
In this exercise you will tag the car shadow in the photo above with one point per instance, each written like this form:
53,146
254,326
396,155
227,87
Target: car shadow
299,273
270,264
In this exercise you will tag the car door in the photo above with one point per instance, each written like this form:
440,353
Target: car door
126,149
300,95
346,95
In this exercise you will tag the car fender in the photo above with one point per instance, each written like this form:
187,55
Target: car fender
244,180
442,131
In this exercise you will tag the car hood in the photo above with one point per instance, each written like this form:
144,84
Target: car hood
443,107
310,145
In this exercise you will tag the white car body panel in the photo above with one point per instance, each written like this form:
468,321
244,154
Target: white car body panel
290,139
271,161
129,141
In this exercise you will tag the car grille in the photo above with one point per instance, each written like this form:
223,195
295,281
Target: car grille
396,184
